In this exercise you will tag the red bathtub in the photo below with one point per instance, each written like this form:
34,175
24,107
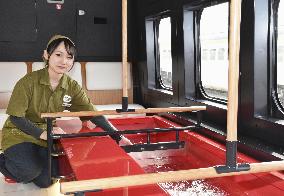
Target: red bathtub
101,157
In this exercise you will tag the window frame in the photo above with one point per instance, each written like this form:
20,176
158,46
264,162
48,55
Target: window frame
155,20
201,94
275,106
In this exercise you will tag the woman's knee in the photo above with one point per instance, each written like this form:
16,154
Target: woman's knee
22,173
42,182
23,162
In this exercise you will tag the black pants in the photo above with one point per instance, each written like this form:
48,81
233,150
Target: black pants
27,162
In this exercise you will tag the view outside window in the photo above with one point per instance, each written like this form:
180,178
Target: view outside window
280,53
214,50
165,51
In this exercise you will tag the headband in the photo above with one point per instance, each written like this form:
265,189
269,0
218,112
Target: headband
55,37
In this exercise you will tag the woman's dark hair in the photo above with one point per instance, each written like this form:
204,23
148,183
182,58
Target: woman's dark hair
54,43
69,46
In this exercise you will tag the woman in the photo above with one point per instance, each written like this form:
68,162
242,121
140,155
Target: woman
47,90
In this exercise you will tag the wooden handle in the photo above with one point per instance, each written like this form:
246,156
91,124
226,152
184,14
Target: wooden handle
234,47
114,112
124,49
172,176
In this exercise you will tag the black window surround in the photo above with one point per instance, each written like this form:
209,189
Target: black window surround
192,52
152,49
276,108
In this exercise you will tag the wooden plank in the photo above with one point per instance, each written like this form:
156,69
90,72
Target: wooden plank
172,176
103,97
114,112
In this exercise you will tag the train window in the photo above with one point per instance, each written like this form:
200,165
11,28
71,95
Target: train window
165,54
221,54
280,53
215,40
159,52
212,54
204,54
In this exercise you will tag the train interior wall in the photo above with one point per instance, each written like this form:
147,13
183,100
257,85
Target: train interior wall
96,28
255,124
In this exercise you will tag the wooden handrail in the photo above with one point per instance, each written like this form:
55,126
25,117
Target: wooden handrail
114,112
171,176
233,79
124,50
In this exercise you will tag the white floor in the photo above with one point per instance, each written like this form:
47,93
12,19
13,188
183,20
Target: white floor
19,189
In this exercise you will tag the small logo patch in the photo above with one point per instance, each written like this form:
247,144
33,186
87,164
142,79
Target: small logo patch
66,101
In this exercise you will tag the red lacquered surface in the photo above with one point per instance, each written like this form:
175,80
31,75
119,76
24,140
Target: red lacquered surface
101,157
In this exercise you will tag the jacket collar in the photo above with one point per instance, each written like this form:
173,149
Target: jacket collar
44,79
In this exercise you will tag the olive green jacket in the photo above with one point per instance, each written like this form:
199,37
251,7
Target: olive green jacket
33,95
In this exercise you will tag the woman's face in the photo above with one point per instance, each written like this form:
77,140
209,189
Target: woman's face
59,61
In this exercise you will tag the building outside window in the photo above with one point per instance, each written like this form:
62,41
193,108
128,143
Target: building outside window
214,70
165,52
280,53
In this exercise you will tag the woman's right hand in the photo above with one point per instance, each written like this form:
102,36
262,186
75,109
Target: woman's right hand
58,130
55,130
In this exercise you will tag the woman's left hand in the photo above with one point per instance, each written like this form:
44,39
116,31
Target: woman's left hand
124,141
